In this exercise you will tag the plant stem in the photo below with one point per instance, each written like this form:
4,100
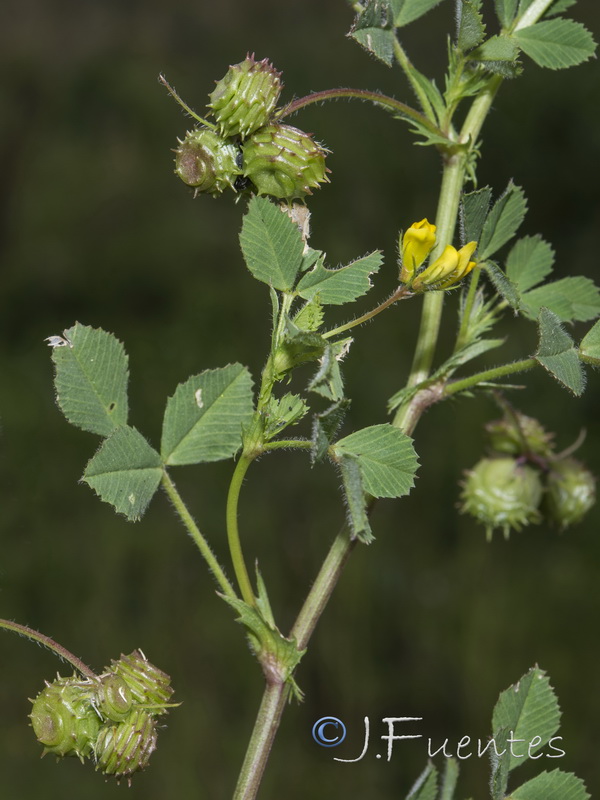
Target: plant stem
261,741
408,69
399,294
56,648
233,532
489,375
197,536
279,444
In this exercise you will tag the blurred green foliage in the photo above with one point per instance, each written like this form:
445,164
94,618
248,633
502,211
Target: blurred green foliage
428,621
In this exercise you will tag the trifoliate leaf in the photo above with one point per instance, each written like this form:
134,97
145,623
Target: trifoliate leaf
471,30
125,472
339,286
474,209
503,221
556,43
529,262
590,344
425,787
502,284
386,458
204,418
281,412
555,785
557,353
571,299
271,244
407,11
373,30
91,378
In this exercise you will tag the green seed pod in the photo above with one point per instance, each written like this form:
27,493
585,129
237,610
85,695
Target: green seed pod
126,747
518,436
245,98
64,719
207,162
284,162
571,492
501,493
114,698
148,685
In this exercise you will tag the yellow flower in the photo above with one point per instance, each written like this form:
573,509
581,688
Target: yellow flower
417,243
452,266
464,265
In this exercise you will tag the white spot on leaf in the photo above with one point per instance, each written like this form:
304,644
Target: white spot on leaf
58,341
131,498
198,398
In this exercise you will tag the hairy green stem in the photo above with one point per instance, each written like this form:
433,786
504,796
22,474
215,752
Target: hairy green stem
399,294
281,444
489,375
46,641
194,531
233,532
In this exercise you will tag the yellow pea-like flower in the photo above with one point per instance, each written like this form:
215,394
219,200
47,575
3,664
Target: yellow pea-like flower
439,270
417,243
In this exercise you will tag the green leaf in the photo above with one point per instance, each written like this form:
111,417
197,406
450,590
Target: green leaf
204,418
373,30
556,43
434,106
406,11
496,49
449,779
498,751
281,412
425,787
125,472
339,286
471,30
529,262
271,244
328,380
559,7
91,378
309,317
503,221
529,710
590,344
474,209
502,284
356,500
571,299
298,347
557,354
555,785
506,9
386,458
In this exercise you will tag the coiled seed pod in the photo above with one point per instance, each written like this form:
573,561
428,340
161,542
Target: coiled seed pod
519,435
126,747
571,492
207,162
64,719
245,98
284,162
114,698
501,493
149,685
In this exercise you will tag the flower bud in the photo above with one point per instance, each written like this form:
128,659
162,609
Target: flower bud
64,719
519,435
126,747
417,243
501,493
244,100
571,492
284,162
148,685
207,162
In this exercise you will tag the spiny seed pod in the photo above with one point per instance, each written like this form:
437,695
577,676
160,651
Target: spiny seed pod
284,162
114,697
207,162
571,492
148,685
126,747
518,436
501,493
245,98
64,719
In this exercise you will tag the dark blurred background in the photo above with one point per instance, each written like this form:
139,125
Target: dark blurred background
430,620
